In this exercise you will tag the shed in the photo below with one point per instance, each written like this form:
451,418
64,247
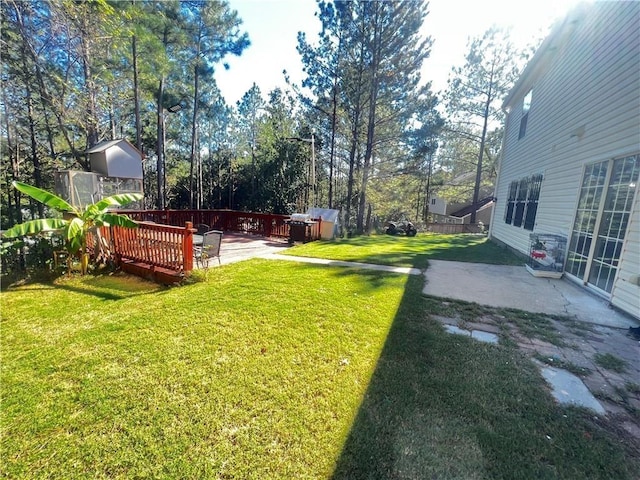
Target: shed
330,221
116,158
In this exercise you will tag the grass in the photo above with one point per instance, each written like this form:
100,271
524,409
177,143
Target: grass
241,376
530,325
534,325
450,407
632,387
610,362
276,370
409,251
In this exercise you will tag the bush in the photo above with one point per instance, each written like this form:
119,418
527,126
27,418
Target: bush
29,254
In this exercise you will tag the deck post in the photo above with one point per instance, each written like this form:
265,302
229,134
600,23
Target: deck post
268,222
187,248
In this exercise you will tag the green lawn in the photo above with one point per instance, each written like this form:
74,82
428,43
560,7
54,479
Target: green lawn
274,370
409,251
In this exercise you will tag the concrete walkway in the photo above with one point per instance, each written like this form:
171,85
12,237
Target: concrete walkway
340,263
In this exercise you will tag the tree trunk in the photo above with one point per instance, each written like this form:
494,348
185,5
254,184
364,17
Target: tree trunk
351,179
136,94
37,167
333,139
160,146
194,129
14,194
353,151
476,187
371,122
92,117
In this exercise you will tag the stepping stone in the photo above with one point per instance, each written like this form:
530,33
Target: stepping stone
568,389
486,337
477,334
456,330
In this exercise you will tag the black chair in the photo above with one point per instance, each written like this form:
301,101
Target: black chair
210,248
202,229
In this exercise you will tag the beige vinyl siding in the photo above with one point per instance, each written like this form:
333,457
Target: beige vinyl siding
591,82
626,289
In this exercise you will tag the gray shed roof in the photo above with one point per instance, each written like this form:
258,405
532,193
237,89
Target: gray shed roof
116,158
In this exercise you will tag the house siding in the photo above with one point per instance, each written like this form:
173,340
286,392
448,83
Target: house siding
585,108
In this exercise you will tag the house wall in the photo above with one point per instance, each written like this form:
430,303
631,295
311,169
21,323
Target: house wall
585,85
437,205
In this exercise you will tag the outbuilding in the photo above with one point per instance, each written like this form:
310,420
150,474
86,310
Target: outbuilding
330,221
116,168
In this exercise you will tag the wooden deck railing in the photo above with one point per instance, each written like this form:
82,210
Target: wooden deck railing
264,224
162,252
162,245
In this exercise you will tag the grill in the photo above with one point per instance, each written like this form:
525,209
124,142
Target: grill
300,217
300,227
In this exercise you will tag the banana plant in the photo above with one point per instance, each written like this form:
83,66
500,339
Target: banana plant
76,223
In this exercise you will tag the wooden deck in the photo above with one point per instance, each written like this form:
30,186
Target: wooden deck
161,248
237,247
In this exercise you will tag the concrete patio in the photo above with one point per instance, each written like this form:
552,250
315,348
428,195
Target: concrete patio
237,247
513,287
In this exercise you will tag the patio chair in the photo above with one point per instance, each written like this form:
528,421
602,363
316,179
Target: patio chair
210,248
202,229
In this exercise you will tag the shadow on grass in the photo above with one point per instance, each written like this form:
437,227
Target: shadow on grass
94,292
107,287
446,406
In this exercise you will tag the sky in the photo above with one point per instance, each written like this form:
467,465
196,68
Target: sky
273,26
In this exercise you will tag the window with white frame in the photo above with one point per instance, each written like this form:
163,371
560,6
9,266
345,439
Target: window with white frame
526,105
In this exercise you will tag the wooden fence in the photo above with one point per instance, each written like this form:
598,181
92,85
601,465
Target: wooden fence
451,228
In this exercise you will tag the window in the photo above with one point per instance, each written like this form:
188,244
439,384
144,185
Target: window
513,190
433,201
526,105
522,202
532,202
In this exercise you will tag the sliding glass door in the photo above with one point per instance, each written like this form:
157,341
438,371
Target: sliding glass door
602,216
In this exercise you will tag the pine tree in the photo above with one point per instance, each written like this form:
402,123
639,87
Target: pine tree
214,34
476,89
366,69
